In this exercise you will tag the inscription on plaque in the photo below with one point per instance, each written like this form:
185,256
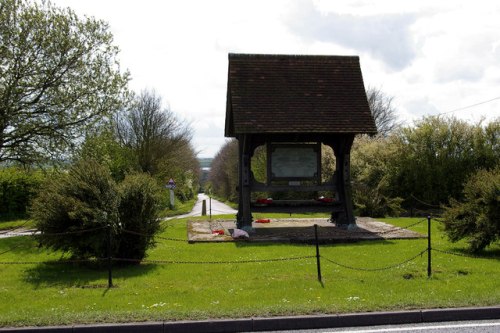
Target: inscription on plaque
294,161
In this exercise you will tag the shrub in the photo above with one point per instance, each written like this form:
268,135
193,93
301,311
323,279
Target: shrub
371,202
138,210
17,189
86,198
477,218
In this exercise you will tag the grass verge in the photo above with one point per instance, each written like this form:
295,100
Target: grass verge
15,223
180,208
64,293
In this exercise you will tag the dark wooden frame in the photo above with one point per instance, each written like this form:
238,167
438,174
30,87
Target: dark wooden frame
342,213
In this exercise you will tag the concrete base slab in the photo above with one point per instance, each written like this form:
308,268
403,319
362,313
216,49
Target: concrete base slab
298,231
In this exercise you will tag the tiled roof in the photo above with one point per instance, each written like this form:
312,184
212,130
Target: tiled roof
296,94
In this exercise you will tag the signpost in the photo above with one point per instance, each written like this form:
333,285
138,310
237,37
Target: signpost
171,185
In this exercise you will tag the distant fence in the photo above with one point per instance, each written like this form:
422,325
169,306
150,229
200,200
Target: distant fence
316,256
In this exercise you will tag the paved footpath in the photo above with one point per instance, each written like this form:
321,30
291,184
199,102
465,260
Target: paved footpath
217,207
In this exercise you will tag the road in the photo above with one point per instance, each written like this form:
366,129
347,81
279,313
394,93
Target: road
217,207
487,326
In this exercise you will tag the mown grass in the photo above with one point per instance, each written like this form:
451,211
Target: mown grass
49,294
180,208
9,223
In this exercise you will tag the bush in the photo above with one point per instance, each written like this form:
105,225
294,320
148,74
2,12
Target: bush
87,198
17,189
138,209
371,169
477,218
371,202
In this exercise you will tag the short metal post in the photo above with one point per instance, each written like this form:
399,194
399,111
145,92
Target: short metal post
318,261
210,207
110,261
429,249
204,208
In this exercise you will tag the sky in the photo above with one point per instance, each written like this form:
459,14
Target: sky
433,57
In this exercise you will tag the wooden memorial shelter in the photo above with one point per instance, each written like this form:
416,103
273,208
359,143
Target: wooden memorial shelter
293,104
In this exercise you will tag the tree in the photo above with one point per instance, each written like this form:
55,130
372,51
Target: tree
59,75
435,156
382,110
477,218
103,147
160,142
224,171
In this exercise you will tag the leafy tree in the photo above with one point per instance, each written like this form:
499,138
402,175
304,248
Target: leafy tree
103,147
224,171
59,75
160,142
436,155
383,111
477,218
151,131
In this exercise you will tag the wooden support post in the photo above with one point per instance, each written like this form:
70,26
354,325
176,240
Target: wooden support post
342,149
244,217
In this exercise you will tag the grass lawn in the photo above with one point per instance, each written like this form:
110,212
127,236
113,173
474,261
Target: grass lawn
180,208
49,294
14,223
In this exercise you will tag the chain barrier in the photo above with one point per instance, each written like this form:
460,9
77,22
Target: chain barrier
463,254
382,232
376,269
52,262
72,232
19,247
223,262
402,228
423,202
3,232
156,237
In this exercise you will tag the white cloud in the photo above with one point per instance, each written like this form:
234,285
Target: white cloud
384,36
431,56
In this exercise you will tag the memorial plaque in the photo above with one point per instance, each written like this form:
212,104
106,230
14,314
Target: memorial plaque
294,161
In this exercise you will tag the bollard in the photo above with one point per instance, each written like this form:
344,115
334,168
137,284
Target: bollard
110,261
204,208
429,249
318,262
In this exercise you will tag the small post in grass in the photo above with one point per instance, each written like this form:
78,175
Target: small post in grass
204,208
318,262
110,261
429,249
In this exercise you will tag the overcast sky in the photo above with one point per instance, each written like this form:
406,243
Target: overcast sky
432,56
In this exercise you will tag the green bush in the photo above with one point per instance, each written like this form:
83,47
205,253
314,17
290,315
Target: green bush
477,218
87,198
371,202
138,209
84,198
17,189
